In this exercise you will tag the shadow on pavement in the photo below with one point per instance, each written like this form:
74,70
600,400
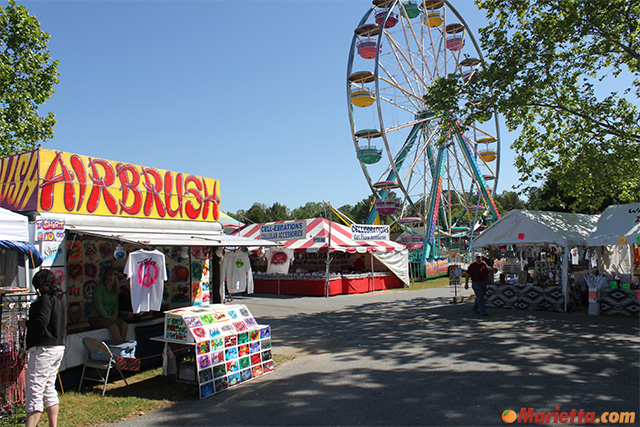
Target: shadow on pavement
422,361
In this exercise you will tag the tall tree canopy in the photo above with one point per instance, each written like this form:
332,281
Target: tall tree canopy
550,66
27,76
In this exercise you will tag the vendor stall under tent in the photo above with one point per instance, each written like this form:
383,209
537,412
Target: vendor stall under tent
321,259
545,233
615,243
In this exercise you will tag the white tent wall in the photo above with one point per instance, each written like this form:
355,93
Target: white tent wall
617,231
397,262
13,226
616,259
618,224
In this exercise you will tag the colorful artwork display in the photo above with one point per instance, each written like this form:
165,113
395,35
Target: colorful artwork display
230,346
88,256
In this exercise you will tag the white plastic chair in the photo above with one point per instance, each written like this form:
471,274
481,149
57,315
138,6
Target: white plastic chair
100,358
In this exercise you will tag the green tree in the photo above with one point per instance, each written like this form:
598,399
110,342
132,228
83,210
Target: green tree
278,212
309,210
549,197
507,201
548,68
359,212
27,76
257,213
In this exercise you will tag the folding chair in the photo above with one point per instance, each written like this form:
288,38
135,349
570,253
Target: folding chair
100,358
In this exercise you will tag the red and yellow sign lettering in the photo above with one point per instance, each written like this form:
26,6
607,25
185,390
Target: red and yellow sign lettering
54,181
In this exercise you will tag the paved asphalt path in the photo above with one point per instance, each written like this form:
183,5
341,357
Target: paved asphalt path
410,358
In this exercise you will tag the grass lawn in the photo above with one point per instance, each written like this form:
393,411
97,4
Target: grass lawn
428,283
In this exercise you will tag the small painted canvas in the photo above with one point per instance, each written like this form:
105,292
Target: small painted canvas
206,389
222,384
243,338
204,361
219,371
245,375
205,375
234,379
231,353
217,344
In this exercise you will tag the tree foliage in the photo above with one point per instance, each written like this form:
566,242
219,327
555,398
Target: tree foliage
548,70
508,201
27,76
358,213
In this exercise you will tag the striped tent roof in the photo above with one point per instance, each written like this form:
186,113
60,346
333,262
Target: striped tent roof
317,237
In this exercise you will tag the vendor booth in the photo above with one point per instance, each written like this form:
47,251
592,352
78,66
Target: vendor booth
615,243
319,257
535,270
88,214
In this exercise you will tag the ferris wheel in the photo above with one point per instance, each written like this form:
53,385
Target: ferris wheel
434,181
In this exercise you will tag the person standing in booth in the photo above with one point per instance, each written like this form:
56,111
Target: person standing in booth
478,271
46,331
104,306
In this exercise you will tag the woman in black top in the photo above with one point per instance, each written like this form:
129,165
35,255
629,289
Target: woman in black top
46,331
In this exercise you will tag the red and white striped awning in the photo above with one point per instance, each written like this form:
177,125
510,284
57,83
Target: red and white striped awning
317,238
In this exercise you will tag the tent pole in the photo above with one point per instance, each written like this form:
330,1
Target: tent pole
326,279
565,276
373,283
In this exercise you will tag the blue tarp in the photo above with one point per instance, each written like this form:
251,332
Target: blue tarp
24,249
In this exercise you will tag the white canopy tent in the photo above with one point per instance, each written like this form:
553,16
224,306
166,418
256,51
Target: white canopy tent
617,230
618,225
521,227
13,226
538,227
157,232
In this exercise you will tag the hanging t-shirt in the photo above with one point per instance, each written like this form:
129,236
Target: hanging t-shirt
236,269
147,272
279,260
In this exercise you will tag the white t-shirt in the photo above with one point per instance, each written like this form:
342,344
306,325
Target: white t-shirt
147,272
236,268
279,260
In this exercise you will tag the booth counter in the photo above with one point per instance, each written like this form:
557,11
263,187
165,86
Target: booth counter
315,284
529,296
620,302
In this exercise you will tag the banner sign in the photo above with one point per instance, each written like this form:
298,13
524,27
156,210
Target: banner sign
370,232
288,230
49,230
56,182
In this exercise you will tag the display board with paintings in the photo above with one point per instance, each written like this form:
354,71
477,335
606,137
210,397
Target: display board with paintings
230,346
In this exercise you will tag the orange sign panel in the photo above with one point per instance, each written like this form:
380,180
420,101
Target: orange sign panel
52,181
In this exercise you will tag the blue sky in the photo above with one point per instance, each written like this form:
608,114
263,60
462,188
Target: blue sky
252,93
